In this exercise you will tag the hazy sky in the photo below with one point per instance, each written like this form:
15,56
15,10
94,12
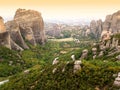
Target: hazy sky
62,9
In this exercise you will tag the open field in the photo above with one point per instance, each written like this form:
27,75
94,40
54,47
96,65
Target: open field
62,40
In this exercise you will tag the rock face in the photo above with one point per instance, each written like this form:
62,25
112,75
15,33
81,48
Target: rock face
105,35
2,26
96,28
15,34
31,25
27,25
4,35
112,22
93,27
106,24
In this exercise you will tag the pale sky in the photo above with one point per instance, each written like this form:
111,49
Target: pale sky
62,9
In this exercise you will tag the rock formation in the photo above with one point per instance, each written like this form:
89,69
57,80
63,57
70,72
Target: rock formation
93,27
27,26
112,22
106,24
32,22
77,66
117,81
4,35
96,28
13,28
84,54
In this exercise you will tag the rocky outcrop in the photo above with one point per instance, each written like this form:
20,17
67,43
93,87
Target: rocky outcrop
2,26
93,27
31,25
99,27
96,28
4,35
107,22
105,35
112,22
5,39
15,34
27,26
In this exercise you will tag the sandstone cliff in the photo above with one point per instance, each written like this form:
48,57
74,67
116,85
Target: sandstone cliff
27,26
96,27
31,25
4,35
111,24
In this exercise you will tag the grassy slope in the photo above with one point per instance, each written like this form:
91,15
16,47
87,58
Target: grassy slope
94,73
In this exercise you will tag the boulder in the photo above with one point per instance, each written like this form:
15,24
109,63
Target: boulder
94,50
55,61
73,57
26,71
106,35
84,54
94,56
118,57
101,54
117,81
54,70
77,65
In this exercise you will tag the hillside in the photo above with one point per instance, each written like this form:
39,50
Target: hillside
95,74
85,58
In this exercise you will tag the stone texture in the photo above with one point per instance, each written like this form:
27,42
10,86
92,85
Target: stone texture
112,22
99,27
73,57
14,46
31,19
4,35
93,27
107,22
13,28
77,65
106,35
55,61
96,27
5,39
117,81
27,25
118,57
84,54
101,54
2,26
27,34
94,51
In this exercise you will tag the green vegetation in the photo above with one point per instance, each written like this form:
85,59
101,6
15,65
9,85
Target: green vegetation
90,77
96,73
66,34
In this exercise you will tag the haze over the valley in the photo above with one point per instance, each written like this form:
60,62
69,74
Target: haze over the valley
62,10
